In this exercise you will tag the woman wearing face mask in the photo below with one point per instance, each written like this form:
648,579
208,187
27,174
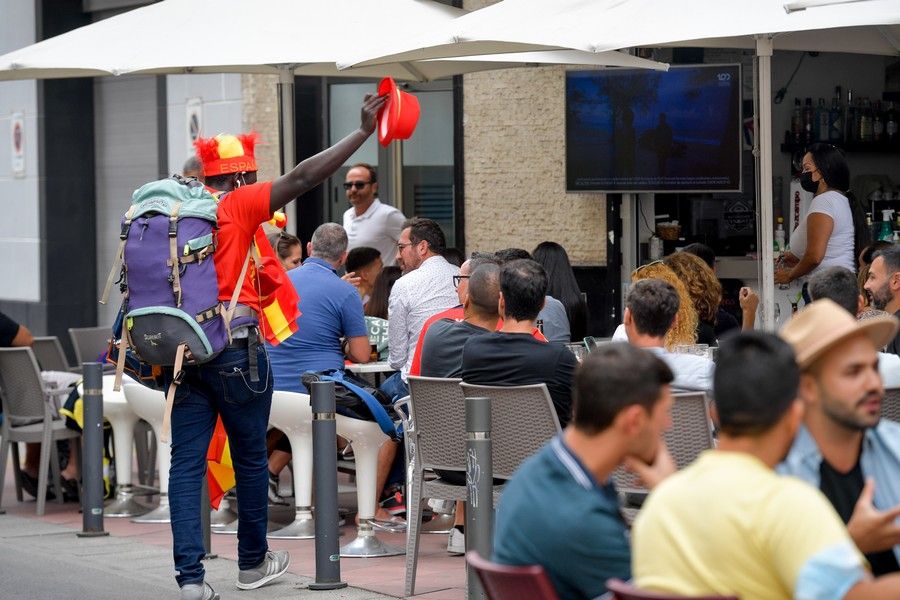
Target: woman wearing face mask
825,237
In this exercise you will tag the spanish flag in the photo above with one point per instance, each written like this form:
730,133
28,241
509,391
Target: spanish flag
219,470
278,298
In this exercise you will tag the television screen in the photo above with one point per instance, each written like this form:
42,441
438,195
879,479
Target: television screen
635,130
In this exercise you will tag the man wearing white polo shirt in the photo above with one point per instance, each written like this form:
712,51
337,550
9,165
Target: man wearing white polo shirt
369,222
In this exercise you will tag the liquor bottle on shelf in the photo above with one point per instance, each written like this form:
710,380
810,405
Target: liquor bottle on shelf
836,119
865,123
891,132
877,123
808,115
850,123
821,122
797,123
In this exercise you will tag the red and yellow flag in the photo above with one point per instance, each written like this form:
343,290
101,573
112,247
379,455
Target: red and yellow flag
219,470
279,301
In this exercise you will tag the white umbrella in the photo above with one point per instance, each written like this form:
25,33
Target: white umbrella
283,37
855,26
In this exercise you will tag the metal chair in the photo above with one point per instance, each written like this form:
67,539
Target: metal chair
625,591
49,353
28,417
505,582
691,434
890,408
89,342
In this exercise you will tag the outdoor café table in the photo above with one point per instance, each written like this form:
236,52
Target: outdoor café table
377,368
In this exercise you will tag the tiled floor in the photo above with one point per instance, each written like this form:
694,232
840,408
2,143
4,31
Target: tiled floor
440,576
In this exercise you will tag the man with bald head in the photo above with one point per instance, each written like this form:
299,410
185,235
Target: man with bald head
444,340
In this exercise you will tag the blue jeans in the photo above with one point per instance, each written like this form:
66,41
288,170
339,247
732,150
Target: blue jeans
220,387
394,387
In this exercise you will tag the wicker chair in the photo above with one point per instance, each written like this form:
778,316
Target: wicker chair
625,591
690,435
890,408
49,354
504,582
89,342
29,418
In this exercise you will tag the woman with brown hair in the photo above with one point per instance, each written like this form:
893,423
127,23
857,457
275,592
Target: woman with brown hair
684,329
704,289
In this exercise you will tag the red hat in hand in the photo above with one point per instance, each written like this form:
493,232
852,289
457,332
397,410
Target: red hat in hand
398,116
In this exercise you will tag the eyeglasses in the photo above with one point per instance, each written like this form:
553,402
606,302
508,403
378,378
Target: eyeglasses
356,184
649,264
457,279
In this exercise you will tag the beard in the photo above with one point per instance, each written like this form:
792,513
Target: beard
848,418
881,297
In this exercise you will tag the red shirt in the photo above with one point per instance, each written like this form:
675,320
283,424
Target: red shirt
240,213
456,314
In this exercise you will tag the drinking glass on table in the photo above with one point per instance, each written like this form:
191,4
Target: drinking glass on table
579,350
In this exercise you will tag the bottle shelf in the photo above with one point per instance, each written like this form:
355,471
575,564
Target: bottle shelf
856,147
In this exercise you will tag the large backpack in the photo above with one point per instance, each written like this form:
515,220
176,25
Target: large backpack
171,314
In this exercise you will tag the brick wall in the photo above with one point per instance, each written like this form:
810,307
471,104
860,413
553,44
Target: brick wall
514,140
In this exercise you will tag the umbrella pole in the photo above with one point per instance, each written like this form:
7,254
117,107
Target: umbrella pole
764,200
287,130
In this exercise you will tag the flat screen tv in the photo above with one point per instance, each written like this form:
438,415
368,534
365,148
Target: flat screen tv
635,130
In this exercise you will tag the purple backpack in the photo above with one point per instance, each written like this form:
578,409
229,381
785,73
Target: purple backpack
171,313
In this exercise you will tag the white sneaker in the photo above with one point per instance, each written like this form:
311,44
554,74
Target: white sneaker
456,543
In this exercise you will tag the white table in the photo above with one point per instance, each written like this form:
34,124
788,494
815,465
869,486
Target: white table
377,368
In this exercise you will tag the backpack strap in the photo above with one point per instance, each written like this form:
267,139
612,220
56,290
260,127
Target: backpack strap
120,253
165,436
233,302
381,417
120,363
173,253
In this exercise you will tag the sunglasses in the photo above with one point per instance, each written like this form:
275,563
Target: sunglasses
649,264
356,184
457,279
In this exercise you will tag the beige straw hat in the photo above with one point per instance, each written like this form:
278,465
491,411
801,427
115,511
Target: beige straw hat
823,324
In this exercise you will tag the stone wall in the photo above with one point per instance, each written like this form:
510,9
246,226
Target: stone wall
260,112
515,189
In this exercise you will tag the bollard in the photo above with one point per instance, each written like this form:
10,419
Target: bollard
479,487
324,432
92,451
205,520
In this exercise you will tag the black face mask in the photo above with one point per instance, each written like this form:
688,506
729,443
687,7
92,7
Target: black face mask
807,183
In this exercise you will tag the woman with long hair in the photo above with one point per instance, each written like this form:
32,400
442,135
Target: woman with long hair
684,330
563,285
704,289
826,236
377,306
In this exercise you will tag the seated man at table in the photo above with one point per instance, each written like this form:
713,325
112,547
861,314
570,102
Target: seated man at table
560,510
553,321
511,356
650,311
844,447
728,524
330,311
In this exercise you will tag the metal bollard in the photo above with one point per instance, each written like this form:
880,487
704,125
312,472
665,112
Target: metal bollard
324,431
92,451
480,487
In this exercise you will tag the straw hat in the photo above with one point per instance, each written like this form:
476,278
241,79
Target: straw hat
824,324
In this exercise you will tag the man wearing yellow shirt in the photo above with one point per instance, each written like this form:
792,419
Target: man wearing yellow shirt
728,524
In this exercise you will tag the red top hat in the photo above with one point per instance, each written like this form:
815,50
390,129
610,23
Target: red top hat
398,116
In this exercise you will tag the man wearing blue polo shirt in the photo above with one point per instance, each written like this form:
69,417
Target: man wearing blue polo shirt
330,310
331,326
560,509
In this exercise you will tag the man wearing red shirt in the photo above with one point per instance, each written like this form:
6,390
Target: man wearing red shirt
237,384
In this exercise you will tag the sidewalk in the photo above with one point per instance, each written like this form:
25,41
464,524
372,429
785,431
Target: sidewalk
41,557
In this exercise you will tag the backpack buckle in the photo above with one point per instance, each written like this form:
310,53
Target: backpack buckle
178,378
